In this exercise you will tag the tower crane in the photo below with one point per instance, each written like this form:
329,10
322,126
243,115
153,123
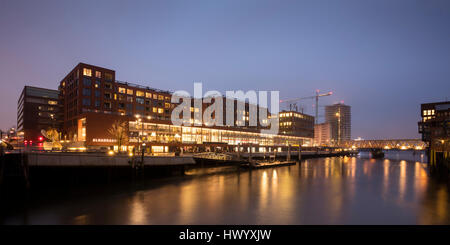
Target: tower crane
318,94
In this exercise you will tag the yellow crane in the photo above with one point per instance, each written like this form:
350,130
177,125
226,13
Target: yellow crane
318,94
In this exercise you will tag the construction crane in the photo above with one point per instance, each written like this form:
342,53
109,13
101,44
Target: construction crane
318,94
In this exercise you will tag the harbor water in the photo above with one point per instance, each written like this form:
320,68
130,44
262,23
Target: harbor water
336,190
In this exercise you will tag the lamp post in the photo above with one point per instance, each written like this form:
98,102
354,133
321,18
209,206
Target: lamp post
338,115
138,117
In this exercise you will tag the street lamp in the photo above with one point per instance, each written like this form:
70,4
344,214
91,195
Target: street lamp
142,131
338,115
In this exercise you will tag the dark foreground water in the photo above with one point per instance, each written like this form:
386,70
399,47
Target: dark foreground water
342,190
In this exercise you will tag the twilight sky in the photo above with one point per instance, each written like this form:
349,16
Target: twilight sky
384,58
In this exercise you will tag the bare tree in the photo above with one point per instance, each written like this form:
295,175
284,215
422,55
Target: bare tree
51,134
119,131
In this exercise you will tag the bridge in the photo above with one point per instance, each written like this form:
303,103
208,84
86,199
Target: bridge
402,144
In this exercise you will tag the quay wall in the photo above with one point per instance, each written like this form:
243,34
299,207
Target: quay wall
99,160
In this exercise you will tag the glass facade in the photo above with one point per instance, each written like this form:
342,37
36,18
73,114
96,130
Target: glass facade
164,133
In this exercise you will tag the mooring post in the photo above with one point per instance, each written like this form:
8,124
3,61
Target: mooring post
24,163
274,154
264,153
299,153
288,157
238,152
2,163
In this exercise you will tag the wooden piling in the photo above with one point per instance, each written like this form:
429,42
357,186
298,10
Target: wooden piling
299,153
288,157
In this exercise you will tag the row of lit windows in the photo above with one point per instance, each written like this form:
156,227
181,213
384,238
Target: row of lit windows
88,72
428,112
142,94
290,114
46,108
286,124
108,95
129,107
46,114
165,133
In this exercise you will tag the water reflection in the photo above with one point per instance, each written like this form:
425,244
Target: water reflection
344,190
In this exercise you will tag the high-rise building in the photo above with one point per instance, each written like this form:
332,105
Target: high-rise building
339,117
322,134
37,109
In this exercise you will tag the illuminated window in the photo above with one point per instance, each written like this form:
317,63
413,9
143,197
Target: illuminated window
87,72
140,93
122,90
98,74
167,105
148,95
52,102
167,98
160,110
155,96
130,91
97,84
155,109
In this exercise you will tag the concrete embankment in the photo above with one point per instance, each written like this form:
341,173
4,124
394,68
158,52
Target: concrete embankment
31,169
25,170
101,160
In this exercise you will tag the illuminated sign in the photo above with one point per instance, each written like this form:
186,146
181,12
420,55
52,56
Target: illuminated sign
104,140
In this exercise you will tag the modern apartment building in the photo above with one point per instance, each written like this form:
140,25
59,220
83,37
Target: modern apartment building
339,117
296,124
92,100
37,109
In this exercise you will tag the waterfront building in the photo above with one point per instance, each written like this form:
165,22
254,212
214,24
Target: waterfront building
92,100
37,109
339,117
435,129
322,134
296,124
